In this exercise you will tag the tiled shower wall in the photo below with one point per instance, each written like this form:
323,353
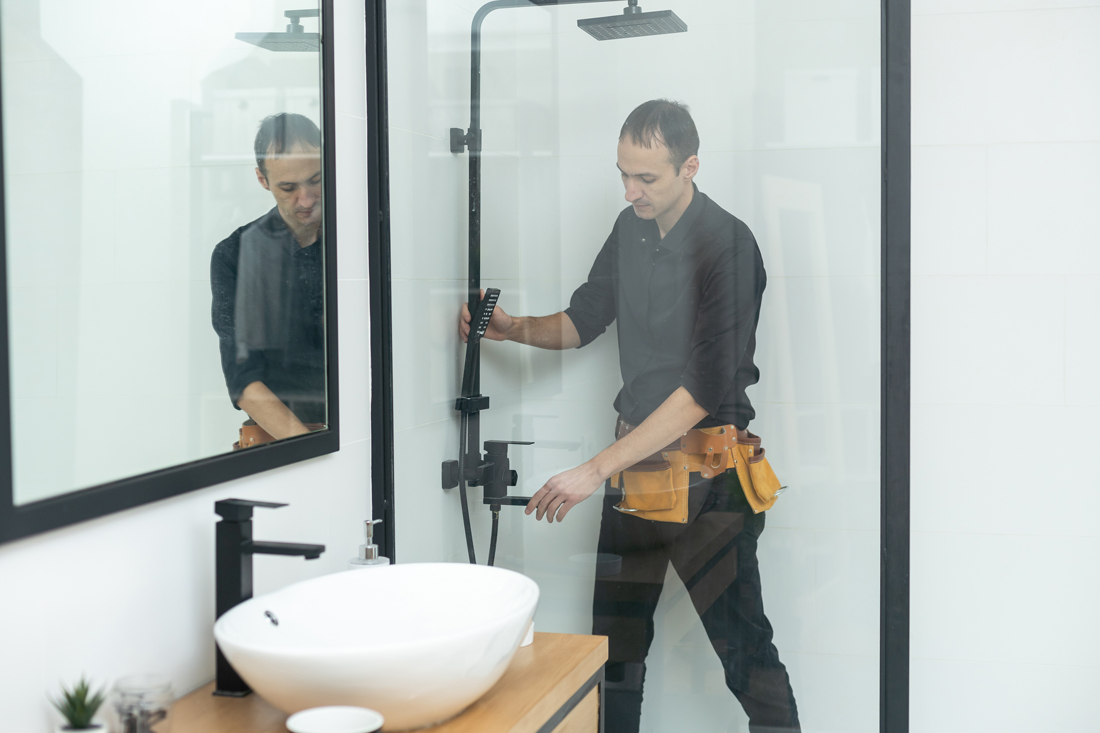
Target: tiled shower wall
1006,355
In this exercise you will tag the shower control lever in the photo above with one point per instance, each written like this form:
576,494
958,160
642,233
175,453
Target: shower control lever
499,474
494,472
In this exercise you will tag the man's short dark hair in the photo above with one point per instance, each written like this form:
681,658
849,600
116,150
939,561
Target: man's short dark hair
667,122
280,133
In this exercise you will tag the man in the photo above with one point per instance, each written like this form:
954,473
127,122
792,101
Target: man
684,279
267,283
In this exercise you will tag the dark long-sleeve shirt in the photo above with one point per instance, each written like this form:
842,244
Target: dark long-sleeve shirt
267,308
687,308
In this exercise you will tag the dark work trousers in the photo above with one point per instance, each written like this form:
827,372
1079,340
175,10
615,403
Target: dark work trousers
715,556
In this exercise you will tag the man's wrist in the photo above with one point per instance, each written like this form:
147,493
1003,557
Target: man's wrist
514,329
601,466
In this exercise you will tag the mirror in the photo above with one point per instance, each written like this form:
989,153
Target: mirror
167,238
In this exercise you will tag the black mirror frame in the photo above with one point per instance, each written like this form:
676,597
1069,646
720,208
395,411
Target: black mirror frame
894,346
24,520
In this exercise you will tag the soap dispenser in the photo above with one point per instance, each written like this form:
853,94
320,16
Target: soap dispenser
368,556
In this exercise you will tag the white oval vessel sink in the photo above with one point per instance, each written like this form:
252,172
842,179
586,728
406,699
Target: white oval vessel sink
418,643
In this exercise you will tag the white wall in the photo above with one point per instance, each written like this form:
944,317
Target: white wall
1006,276
134,592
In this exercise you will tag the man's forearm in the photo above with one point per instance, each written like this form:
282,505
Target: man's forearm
546,332
269,412
676,415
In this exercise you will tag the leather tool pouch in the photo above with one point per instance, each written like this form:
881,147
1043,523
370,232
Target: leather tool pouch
757,478
252,434
657,487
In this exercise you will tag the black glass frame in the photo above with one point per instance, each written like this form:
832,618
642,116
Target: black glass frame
894,345
17,521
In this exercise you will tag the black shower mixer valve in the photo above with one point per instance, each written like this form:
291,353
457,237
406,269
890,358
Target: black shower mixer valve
494,473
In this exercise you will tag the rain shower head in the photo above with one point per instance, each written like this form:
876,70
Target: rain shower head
633,23
294,39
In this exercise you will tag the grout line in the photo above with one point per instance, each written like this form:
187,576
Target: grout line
1003,144
1090,6
1006,274
1065,340
986,151
990,661
1005,534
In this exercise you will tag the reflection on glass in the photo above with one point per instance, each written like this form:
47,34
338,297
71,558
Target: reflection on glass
128,155
267,284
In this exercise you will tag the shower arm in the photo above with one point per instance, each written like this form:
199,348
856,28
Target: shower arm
295,18
471,140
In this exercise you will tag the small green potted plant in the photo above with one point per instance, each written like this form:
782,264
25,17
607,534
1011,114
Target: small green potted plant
78,706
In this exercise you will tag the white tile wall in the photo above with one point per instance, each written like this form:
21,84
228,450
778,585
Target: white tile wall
1027,80
975,695
1043,217
1005,111
143,579
988,340
950,210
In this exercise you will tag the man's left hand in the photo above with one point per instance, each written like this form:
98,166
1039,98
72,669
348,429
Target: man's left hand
564,491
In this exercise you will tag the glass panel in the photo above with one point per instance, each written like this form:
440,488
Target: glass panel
156,282
738,287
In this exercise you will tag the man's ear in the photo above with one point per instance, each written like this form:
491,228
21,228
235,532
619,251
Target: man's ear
690,168
262,179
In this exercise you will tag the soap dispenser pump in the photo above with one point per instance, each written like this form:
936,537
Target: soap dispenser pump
368,556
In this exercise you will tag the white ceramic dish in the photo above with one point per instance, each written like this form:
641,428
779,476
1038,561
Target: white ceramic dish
335,719
418,642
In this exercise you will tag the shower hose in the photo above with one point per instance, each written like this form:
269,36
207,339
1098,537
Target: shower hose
463,434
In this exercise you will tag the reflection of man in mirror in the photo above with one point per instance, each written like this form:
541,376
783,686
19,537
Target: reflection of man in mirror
267,282
684,280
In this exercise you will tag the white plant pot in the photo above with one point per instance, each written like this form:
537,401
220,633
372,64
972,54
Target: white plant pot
98,726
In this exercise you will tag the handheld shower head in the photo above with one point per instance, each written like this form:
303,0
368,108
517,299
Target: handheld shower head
633,23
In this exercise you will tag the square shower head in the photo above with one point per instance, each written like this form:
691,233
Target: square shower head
632,25
283,41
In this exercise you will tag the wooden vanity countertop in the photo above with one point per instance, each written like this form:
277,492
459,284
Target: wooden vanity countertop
541,679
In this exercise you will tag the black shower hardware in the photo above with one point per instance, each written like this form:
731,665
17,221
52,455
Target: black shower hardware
633,23
470,468
234,548
293,39
493,472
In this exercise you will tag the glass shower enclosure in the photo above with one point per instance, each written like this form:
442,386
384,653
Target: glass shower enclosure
732,282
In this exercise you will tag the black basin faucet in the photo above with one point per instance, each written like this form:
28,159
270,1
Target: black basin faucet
233,559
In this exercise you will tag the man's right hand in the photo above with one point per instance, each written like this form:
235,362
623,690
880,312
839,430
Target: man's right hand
499,325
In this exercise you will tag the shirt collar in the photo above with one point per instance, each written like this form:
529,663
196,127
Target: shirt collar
675,237
277,227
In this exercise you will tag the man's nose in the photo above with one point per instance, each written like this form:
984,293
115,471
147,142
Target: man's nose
308,197
632,193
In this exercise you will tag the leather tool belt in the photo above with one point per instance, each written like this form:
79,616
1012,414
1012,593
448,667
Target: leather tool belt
252,434
656,488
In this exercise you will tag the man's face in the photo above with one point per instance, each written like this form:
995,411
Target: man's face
653,185
294,179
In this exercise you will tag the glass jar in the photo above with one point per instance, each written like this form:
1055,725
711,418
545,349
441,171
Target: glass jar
143,704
